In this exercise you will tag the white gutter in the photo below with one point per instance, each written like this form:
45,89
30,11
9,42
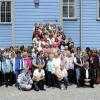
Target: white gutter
81,34
13,23
60,16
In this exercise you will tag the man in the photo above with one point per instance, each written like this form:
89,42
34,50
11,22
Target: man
78,61
38,79
87,75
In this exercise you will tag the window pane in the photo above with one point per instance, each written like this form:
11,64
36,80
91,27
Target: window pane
2,6
2,17
71,2
65,11
65,0
8,17
8,6
8,11
2,11
71,11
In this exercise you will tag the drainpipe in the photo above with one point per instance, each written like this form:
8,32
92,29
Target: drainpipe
81,38
60,16
13,23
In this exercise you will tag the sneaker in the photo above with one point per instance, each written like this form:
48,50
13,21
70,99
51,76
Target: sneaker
62,87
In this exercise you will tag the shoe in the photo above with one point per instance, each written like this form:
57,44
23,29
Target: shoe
78,86
91,86
62,87
36,89
43,89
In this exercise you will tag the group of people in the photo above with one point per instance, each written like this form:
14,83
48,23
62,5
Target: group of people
52,60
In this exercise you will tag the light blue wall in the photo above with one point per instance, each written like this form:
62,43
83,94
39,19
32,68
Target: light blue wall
72,27
5,35
27,15
91,27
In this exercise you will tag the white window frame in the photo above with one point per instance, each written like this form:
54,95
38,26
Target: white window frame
98,17
11,12
69,18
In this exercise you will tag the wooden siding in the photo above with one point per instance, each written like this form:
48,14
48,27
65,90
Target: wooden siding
72,27
27,15
91,27
5,35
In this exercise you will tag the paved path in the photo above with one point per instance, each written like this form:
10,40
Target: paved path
72,93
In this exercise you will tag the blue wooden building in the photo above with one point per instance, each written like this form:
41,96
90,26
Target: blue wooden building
79,18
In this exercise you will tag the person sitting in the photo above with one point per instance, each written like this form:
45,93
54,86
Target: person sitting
87,76
24,81
38,79
62,76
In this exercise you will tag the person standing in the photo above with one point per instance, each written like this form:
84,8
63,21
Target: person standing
78,61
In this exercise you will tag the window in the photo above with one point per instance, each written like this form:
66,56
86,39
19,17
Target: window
68,9
5,11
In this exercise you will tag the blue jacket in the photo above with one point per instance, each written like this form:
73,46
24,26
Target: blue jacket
18,63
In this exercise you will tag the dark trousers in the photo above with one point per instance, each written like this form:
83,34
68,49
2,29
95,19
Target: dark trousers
49,79
54,80
63,81
38,85
1,78
12,78
7,78
82,82
71,76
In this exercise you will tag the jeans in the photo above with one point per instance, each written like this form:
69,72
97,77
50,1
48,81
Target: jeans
63,81
77,70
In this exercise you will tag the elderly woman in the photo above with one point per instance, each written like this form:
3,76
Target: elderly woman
62,75
24,81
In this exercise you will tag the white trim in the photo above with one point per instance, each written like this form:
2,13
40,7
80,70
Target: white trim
61,21
13,23
69,18
98,18
6,0
4,23
81,25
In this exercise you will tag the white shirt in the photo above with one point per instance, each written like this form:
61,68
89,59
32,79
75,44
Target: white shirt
38,74
69,63
55,64
61,73
87,73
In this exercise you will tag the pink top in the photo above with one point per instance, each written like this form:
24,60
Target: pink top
55,44
28,64
46,50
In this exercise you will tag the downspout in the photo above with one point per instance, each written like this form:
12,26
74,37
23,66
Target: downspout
81,37
13,22
60,16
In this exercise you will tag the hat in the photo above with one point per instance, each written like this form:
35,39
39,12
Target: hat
78,48
88,49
